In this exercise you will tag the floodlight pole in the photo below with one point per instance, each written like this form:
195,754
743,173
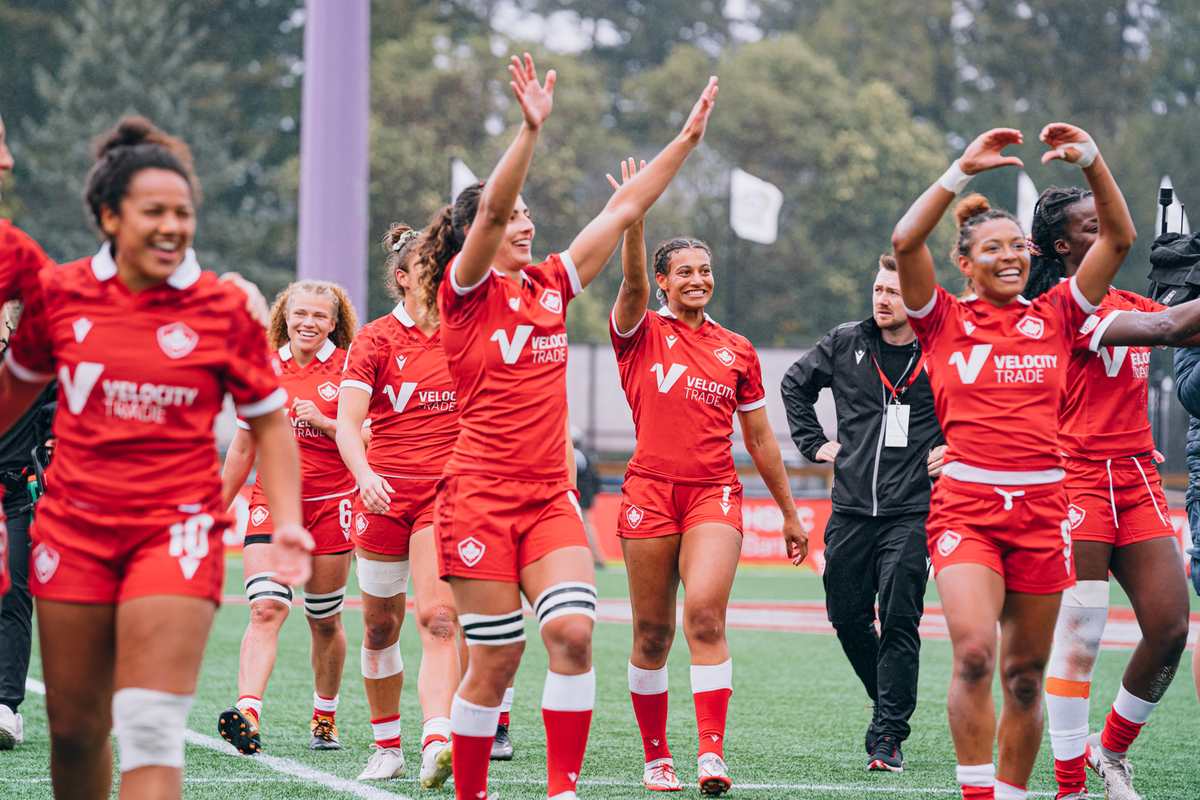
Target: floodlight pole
334,146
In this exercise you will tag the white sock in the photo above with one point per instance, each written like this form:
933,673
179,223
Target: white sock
325,705
712,678
979,775
1006,791
469,719
251,703
569,692
647,681
1131,707
435,726
506,703
1077,635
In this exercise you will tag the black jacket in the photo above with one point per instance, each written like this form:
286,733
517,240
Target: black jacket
868,478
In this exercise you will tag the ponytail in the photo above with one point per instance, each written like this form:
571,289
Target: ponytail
443,240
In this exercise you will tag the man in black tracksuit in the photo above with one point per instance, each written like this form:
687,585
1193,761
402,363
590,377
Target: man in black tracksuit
883,461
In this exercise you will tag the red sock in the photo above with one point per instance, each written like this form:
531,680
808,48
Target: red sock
329,703
469,762
566,742
979,792
387,731
1071,776
504,718
711,710
1118,733
651,713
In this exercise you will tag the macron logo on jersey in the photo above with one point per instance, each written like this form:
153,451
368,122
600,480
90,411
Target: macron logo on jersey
400,399
400,362
969,368
665,382
78,388
511,350
81,327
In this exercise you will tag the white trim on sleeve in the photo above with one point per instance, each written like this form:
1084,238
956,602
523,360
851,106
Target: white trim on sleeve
754,405
241,423
350,383
613,319
462,290
922,312
272,402
24,374
1080,299
1098,334
572,273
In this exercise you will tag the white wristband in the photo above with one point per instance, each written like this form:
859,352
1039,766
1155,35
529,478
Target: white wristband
1087,152
954,180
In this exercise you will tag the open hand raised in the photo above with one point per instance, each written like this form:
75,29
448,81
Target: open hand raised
693,129
535,99
984,153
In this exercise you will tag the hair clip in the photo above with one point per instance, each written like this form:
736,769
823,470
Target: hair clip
404,239
1033,248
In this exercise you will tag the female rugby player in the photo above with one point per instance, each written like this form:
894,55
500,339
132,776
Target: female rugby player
396,376
127,560
681,514
998,530
506,519
312,324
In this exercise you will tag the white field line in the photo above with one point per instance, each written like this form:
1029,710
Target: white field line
285,765
791,787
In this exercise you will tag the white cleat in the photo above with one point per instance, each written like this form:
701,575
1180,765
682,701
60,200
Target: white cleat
1116,773
435,764
714,779
659,776
12,728
383,765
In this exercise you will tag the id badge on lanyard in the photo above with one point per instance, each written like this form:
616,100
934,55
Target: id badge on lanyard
895,432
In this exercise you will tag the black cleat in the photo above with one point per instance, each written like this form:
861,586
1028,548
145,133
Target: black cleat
240,730
885,755
502,746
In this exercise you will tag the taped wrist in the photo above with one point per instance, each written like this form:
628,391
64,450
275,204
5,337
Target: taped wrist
149,727
382,578
954,180
1087,152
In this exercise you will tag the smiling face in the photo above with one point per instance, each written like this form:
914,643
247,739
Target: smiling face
153,228
688,283
6,158
309,321
1082,229
998,265
516,250
886,305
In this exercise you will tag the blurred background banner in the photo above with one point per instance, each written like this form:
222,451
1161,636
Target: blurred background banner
754,207
461,177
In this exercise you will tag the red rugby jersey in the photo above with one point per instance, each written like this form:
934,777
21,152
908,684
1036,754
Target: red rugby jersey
20,261
506,344
1105,413
414,415
323,474
141,378
999,377
684,386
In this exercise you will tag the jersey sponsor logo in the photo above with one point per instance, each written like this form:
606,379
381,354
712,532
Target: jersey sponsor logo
947,542
665,382
400,362
1023,369
725,501
510,350
1113,362
547,349
433,400
328,390
78,388
514,303
1032,327
45,563
969,368
1075,516
671,340
858,354
400,399
725,356
471,551
706,391
551,300
81,327
259,514
147,402
177,339
634,516
968,326
1089,324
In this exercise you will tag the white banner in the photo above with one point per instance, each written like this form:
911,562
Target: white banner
1177,220
460,178
1027,197
754,207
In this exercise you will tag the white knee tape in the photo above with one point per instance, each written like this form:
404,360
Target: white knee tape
382,578
149,727
383,663
320,606
262,586
493,629
1087,594
569,597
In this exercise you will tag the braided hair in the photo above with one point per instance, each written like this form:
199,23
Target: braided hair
971,212
1051,216
662,257
442,241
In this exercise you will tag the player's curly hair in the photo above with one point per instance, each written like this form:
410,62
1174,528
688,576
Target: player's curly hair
345,320
663,253
1051,216
443,239
400,243
133,144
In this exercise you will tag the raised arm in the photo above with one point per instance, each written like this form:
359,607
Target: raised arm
238,462
914,263
764,452
1171,327
353,405
503,187
634,295
1116,234
592,247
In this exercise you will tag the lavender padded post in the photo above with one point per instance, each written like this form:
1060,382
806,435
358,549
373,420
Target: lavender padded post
334,146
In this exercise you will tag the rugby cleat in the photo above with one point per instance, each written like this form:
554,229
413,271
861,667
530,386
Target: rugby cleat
384,764
502,746
240,729
885,755
659,776
1116,773
12,728
324,734
714,779
435,764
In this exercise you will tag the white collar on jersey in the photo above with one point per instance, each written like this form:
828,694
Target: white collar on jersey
187,273
285,352
972,297
401,314
666,312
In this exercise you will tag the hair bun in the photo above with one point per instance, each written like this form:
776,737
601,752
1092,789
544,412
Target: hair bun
395,236
135,130
970,206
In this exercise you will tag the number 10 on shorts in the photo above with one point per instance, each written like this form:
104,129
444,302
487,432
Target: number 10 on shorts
189,542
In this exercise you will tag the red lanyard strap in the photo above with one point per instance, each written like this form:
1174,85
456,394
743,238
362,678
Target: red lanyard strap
911,378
